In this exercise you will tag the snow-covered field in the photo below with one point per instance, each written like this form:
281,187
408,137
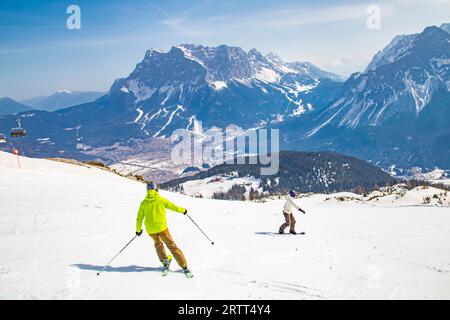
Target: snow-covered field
436,176
59,223
219,183
387,196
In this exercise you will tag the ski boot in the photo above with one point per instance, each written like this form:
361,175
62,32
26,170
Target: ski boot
292,232
187,273
166,265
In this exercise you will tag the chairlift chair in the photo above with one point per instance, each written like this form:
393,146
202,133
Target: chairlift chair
18,132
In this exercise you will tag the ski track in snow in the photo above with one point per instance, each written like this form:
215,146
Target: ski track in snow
59,224
179,107
139,116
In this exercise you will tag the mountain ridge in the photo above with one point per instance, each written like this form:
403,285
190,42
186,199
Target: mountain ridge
394,113
62,99
180,88
303,172
9,106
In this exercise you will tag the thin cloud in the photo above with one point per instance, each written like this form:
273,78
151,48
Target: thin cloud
188,24
278,19
164,13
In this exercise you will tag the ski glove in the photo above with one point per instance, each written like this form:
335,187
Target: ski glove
185,211
301,210
139,233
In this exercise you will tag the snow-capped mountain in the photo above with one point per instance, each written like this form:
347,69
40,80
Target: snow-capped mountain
219,86
397,110
394,113
401,79
395,50
62,99
9,106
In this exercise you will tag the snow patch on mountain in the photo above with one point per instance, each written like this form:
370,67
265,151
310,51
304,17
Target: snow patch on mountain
194,126
174,112
140,91
188,54
304,88
139,116
421,92
316,129
219,85
267,75
64,91
300,110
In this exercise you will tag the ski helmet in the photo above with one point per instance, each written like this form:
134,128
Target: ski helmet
151,185
292,193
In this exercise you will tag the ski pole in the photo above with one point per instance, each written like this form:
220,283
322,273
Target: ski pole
212,242
107,264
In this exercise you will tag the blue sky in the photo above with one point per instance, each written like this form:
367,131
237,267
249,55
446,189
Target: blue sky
39,55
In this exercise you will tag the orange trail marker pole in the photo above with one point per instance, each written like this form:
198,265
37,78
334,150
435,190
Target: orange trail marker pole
16,152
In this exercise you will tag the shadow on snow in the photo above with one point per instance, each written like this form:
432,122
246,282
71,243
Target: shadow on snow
132,268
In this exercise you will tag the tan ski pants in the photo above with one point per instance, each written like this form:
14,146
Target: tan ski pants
162,238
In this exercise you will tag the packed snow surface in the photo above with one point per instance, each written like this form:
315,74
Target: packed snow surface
59,223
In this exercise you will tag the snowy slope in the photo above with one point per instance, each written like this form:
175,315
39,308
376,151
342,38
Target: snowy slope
395,196
399,197
434,176
59,223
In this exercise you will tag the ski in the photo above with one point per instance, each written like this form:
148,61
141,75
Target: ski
165,272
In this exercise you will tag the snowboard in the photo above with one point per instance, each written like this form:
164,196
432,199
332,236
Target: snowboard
278,234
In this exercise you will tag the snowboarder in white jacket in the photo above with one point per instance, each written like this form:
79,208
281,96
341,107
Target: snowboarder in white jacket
289,205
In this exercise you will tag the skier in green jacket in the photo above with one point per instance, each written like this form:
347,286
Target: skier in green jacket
153,212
